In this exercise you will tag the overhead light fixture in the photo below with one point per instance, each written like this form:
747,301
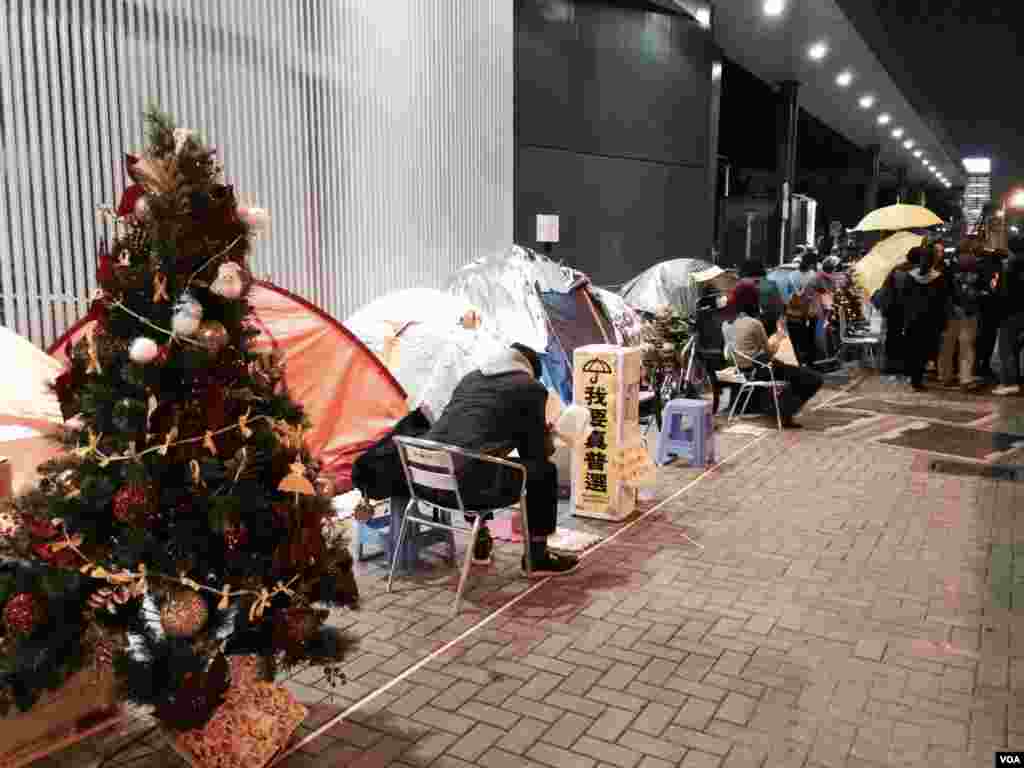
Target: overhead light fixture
917,153
703,16
908,144
818,51
978,165
884,118
774,7
844,78
897,133
867,101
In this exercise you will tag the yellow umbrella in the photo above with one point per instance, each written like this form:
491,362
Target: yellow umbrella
876,266
897,217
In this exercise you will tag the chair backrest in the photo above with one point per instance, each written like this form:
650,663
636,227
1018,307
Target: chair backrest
434,466
428,465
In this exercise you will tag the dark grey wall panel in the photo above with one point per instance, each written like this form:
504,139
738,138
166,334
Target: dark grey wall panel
612,119
613,80
618,216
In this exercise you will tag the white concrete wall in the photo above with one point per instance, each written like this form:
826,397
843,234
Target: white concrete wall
377,132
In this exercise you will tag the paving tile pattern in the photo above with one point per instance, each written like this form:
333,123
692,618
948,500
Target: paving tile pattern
842,607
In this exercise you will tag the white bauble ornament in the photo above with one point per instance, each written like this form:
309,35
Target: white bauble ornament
257,219
143,350
141,208
230,281
188,314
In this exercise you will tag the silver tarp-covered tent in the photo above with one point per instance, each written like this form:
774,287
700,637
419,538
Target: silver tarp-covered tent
675,283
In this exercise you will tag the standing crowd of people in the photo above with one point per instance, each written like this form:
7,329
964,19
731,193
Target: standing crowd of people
951,312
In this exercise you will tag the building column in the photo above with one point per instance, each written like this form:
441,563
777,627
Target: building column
902,190
788,117
874,170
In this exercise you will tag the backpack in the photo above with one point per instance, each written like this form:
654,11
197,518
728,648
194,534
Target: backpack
377,473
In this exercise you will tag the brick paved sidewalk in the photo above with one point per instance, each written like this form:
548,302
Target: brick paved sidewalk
846,607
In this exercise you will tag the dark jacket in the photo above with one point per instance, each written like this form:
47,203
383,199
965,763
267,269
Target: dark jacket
969,287
926,298
889,298
496,409
1011,287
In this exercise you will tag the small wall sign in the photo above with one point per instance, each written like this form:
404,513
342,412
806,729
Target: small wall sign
547,228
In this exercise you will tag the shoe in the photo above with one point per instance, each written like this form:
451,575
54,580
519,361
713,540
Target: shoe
1003,391
919,387
550,564
790,424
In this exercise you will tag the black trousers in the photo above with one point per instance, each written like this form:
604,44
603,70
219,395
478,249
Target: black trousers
801,334
988,332
895,343
921,344
1009,349
486,487
803,384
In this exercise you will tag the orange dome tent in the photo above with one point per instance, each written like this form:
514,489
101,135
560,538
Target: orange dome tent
350,398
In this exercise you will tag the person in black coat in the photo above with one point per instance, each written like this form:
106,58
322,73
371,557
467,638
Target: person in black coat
1011,330
497,409
889,301
989,267
926,301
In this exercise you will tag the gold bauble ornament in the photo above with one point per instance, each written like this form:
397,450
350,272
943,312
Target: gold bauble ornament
213,336
184,613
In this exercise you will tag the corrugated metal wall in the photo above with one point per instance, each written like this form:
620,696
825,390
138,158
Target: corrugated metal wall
379,135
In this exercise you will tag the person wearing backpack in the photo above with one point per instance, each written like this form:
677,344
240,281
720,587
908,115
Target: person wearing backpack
961,332
802,311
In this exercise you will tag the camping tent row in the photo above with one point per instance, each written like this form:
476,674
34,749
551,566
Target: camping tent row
425,340
355,381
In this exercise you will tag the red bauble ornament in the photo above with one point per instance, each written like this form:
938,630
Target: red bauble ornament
23,613
235,537
162,354
129,198
133,504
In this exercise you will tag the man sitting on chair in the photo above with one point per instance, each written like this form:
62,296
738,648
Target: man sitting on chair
753,344
495,410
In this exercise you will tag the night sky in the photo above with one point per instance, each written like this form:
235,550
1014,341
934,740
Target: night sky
965,57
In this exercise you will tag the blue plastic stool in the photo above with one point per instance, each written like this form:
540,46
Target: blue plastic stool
687,431
377,532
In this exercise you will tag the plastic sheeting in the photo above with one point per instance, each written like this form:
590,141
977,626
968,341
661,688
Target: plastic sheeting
417,335
25,387
348,395
670,282
504,288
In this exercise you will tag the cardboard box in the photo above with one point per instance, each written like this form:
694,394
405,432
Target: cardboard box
606,380
86,702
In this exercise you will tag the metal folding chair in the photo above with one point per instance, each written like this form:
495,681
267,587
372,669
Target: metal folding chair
435,466
748,383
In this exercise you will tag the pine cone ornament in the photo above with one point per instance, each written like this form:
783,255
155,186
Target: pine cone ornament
184,613
110,598
23,613
133,505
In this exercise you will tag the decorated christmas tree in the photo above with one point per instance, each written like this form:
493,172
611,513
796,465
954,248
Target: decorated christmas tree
183,526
